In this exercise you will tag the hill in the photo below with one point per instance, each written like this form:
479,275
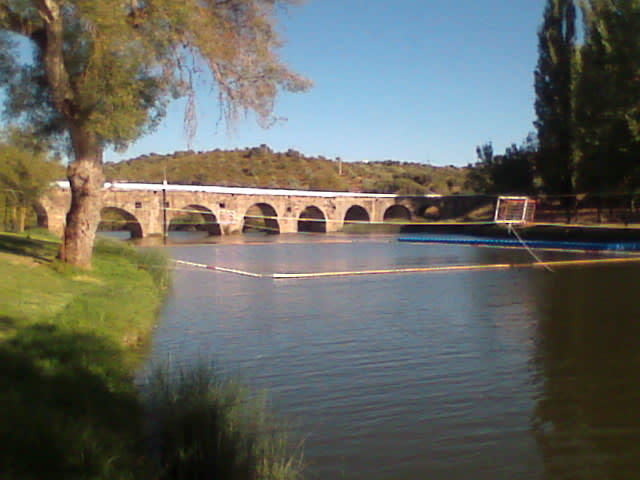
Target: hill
262,167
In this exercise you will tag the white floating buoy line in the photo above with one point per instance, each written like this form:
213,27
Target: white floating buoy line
407,270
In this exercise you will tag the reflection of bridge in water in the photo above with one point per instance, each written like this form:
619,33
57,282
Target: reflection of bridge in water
150,208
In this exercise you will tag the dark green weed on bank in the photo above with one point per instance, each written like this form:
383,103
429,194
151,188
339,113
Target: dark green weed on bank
204,425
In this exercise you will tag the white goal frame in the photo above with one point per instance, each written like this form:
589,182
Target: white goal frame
513,209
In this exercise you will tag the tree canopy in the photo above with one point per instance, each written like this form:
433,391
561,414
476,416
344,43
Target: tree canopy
588,114
111,66
554,96
103,71
607,92
510,173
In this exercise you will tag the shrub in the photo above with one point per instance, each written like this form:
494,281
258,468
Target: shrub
205,426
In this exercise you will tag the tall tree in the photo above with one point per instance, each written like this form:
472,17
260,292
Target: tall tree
607,93
510,173
103,71
479,176
554,96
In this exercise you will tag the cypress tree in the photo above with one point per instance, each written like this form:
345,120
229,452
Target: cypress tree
607,93
554,92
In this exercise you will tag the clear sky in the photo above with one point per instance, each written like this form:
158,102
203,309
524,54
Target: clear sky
410,80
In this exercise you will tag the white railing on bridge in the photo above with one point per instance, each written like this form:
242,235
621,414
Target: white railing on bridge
240,190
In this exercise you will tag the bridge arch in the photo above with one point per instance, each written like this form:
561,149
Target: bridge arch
113,219
312,220
42,217
356,214
430,211
261,217
195,217
396,213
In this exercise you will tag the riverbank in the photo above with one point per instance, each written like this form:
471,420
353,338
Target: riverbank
69,343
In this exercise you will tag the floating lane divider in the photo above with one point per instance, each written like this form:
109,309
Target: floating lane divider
544,244
447,268
222,269
435,269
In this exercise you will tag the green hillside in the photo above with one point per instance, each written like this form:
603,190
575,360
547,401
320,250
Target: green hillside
261,167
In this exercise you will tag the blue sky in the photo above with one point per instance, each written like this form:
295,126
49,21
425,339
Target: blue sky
410,80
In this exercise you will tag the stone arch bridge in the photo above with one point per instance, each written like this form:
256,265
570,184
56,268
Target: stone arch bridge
150,208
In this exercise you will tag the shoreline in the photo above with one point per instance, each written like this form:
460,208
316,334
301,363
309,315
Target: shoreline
70,344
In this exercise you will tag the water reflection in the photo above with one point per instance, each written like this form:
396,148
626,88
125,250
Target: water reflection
423,376
587,417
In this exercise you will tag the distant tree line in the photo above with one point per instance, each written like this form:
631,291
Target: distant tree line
262,167
511,172
587,106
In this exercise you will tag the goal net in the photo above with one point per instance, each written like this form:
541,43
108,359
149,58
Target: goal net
515,210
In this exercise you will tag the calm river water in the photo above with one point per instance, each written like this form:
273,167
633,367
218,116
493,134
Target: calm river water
516,374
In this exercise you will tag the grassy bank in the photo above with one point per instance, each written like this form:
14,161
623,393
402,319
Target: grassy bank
70,341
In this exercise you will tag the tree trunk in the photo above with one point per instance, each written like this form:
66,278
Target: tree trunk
85,172
14,218
22,217
86,181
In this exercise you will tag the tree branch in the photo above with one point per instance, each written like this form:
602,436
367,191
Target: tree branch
18,24
53,57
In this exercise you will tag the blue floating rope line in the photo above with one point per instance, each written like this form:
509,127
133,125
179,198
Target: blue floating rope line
575,246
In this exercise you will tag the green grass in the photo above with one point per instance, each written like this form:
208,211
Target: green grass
69,343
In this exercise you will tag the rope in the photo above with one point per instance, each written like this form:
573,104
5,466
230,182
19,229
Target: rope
222,269
512,229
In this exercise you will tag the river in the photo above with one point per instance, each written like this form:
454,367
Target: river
507,374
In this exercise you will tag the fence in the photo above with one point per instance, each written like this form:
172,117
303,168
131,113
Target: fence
589,209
